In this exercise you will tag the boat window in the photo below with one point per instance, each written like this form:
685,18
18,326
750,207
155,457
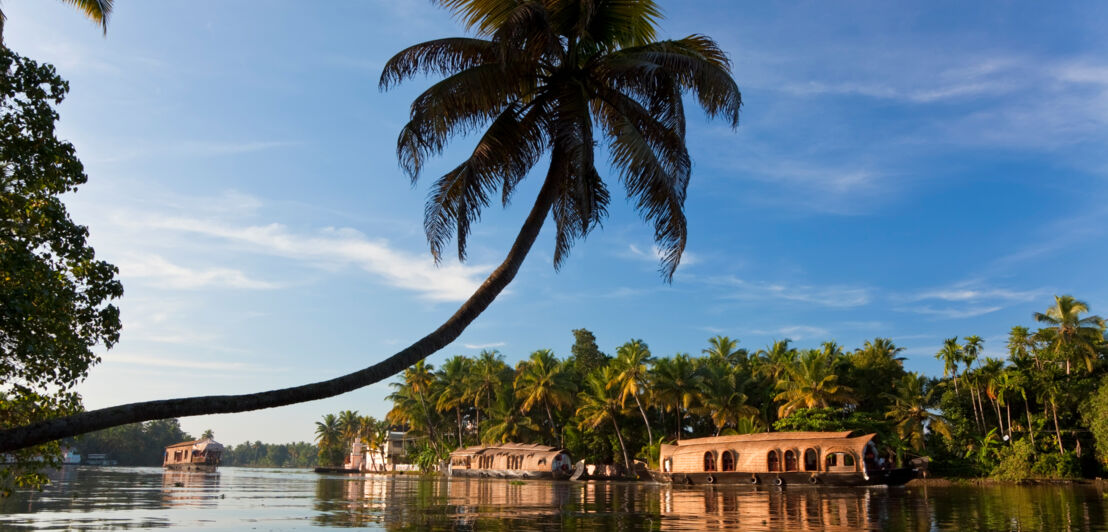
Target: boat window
542,461
773,462
848,459
790,461
832,460
811,460
727,461
709,461
668,465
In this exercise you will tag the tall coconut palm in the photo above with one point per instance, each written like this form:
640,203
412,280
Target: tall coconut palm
1070,337
990,374
97,11
1021,345
723,395
812,382
453,380
599,404
676,384
547,77
350,424
950,355
724,348
489,375
420,377
970,351
774,359
327,436
632,376
507,423
910,410
542,380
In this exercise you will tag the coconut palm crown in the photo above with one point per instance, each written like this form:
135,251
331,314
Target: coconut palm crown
540,77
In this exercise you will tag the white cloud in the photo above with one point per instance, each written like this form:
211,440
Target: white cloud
953,313
828,296
970,294
165,274
655,255
177,362
796,332
489,345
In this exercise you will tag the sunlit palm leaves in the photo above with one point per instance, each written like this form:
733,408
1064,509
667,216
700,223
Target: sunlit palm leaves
911,411
1070,337
538,78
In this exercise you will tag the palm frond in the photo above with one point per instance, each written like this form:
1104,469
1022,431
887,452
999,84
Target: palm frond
444,57
97,11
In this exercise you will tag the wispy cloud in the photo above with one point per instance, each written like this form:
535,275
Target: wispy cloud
489,345
655,255
951,312
184,363
796,332
828,296
165,274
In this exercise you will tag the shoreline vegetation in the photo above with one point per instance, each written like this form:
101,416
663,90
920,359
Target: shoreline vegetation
1040,413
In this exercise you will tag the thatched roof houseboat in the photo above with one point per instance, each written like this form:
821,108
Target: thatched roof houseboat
511,460
778,458
195,455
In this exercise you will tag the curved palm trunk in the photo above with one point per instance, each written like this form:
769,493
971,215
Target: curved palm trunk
458,409
1057,430
427,416
53,429
649,433
554,428
622,446
1030,427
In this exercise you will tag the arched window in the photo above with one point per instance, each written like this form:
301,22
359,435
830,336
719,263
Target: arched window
773,461
727,461
832,460
811,460
667,466
848,459
790,461
709,461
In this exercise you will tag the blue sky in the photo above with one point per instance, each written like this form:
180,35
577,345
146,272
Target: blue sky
905,170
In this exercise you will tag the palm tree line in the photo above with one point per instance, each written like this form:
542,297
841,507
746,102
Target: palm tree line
335,434
622,408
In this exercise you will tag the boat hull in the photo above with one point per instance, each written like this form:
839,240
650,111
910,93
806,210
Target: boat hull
506,473
894,477
203,468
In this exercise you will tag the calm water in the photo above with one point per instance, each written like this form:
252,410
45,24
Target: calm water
86,498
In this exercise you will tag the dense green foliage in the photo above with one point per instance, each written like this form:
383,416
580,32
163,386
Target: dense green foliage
335,434
258,454
55,295
137,444
1014,418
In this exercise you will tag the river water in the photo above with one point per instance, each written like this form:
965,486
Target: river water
90,498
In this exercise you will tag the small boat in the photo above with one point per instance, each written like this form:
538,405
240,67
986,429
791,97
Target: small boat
779,458
195,455
511,460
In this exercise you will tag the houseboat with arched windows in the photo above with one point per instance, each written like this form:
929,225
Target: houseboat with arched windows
779,458
511,460
196,455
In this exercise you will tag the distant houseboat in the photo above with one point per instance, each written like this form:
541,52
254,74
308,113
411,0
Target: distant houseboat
779,458
511,460
196,455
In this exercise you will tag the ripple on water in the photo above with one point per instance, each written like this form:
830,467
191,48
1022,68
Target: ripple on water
89,498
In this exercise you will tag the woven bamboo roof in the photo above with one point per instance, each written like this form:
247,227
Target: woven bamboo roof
767,436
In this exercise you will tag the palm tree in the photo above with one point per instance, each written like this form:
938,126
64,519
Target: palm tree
453,380
724,348
543,380
541,75
970,351
910,410
507,423
1021,345
676,384
722,395
96,10
1069,336
420,378
208,435
774,359
600,404
327,435
350,424
812,382
489,375
989,373
950,355
632,376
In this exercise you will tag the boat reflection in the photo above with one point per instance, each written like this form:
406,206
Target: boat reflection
190,488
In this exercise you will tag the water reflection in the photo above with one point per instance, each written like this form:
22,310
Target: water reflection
235,498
